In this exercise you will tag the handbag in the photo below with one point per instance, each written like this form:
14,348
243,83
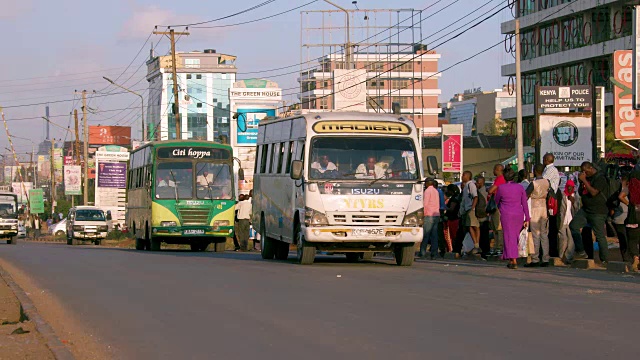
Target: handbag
523,243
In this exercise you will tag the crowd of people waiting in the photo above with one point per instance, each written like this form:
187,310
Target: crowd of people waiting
549,215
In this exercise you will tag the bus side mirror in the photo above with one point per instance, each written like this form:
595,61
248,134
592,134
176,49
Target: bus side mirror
296,169
241,174
432,165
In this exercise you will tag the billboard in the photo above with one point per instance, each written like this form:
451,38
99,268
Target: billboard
112,175
109,135
567,137
72,180
350,90
452,148
21,189
36,201
248,120
626,119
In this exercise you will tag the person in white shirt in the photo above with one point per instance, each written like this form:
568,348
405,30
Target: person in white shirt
166,182
205,179
323,164
243,208
370,170
550,172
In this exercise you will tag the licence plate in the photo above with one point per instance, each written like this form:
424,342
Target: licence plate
90,230
193,232
367,232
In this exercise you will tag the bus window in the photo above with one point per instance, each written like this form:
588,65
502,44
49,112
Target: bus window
288,161
263,159
213,181
256,163
363,158
174,177
280,168
275,150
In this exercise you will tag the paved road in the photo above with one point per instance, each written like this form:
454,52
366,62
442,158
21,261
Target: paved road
179,305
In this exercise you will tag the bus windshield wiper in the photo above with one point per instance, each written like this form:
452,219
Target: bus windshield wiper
175,184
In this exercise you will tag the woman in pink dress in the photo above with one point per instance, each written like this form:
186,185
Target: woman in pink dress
511,199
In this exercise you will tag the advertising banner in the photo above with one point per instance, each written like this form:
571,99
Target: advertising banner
20,189
112,175
36,201
248,124
567,137
452,148
72,180
350,91
627,120
110,135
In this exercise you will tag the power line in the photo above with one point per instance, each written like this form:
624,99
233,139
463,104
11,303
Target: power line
257,20
224,17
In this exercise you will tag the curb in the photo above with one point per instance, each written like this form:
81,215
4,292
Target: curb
43,240
59,351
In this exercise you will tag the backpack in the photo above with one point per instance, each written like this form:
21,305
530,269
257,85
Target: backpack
611,193
634,190
481,206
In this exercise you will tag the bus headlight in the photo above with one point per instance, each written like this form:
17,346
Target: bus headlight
168,224
414,219
221,223
315,218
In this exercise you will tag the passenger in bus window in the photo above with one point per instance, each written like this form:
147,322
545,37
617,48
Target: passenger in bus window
166,182
323,164
205,179
370,169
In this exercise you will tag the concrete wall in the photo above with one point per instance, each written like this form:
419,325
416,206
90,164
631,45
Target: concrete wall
474,159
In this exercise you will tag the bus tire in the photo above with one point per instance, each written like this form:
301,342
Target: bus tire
139,244
306,253
196,246
97,242
155,245
267,245
220,247
367,255
404,254
352,257
282,250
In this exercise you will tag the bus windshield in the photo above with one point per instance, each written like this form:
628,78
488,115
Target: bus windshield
344,158
213,181
7,206
174,180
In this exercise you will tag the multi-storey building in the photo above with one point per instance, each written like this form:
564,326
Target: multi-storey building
480,112
566,43
204,79
410,79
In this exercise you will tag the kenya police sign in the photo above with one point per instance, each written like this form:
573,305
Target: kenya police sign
567,137
565,97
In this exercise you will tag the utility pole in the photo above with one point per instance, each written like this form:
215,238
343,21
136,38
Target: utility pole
174,71
86,150
77,144
53,177
519,127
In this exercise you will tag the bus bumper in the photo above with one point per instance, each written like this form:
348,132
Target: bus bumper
382,234
195,231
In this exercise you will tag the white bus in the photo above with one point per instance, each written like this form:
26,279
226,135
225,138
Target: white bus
342,182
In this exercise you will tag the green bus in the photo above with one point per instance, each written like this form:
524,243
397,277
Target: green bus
181,192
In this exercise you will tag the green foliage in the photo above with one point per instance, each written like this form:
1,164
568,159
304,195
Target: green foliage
118,235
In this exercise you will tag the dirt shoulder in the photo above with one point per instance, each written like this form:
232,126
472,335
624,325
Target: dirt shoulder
19,338
75,336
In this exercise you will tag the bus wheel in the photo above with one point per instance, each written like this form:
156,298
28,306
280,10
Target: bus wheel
404,254
306,252
353,257
196,246
282,250
139,244
155,245
13,240
220,246
267,245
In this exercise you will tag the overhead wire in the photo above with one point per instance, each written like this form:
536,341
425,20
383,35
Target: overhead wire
224,17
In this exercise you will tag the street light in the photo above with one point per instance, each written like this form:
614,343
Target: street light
348,45
144,135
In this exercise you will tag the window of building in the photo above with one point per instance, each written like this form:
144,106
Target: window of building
374,66
192,63
324,103
199,105
403,100
400,84
600,25
197,126
198,76
375,102
188,76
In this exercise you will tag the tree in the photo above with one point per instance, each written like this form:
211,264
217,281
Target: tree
495,127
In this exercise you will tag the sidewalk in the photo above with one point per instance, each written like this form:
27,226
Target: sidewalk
19,338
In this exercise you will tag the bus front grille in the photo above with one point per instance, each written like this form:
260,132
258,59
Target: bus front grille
360,218
194,216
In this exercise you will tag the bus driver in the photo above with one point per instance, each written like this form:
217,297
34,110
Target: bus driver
370,170
323,164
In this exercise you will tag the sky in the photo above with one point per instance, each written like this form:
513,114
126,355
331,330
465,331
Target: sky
58,47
